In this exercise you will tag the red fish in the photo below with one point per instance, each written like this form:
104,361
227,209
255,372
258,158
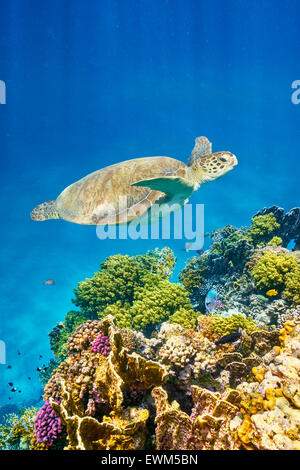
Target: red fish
200,252
49,282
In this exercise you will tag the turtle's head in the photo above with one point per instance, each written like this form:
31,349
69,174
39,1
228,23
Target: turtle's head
213,166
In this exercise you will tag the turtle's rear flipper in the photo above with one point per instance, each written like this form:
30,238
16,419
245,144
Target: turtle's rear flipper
170,185
45,211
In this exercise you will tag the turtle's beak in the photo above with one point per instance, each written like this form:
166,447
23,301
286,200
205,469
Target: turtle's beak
235,160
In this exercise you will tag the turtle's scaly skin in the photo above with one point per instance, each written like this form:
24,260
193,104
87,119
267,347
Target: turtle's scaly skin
125,191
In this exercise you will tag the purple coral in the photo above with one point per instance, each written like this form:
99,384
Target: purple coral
47,426
101,345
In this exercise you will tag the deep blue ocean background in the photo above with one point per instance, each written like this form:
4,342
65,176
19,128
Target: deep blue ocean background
93,83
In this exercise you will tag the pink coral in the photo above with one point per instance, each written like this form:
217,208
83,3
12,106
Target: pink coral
101,345
47,426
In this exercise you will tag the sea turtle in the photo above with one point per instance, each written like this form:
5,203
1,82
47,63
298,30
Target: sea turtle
126,191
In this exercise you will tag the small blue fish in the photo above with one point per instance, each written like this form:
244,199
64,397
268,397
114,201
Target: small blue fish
211,300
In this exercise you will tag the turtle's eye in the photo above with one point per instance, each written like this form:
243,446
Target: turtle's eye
223,159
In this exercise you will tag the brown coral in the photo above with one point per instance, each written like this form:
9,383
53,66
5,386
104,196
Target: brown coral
208,427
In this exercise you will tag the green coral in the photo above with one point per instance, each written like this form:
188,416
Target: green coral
187,318
159,262
135,290
262,228
115,282
118,279
225,325
275,241
17,430
226,238
153,303
278,271
193,273
292,286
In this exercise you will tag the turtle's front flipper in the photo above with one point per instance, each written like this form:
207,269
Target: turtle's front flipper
202,147
170,185
45,211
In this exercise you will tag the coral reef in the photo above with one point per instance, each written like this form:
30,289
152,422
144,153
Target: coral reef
92,392
140,364
249,269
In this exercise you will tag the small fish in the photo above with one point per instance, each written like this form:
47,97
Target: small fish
9,367
211,300
49,282
19,354
10,384
20,391
29,378
272,293
231,338
40,356
39,369
13,390
187,247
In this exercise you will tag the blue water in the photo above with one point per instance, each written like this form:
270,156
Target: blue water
93,83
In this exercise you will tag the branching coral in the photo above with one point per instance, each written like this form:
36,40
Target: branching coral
275,241
224,325
279,271
135,291
187,318
262,228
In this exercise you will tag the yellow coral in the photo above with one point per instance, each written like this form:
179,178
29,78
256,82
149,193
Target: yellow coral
259,374
285,331
277,350
262,227
281,271
245,430
292,286
275,241
185,317
252,404
271,394
225,325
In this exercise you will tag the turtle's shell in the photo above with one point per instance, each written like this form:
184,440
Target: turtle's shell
100,197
